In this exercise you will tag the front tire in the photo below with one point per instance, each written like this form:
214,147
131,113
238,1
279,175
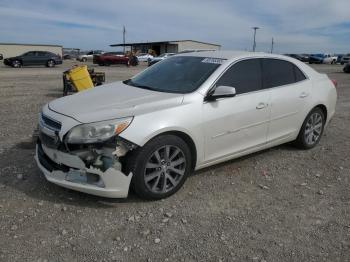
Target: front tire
160,168
16,64
311,130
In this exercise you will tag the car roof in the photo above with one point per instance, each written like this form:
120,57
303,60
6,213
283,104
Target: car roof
232,55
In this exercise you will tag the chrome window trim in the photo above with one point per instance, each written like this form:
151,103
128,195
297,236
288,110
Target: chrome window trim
213,85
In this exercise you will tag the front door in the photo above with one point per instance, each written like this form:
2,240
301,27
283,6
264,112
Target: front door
29,58
240,123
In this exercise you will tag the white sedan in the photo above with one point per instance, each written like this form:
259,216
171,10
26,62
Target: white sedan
143,57
185,113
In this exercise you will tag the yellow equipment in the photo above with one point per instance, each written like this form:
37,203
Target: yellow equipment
81,78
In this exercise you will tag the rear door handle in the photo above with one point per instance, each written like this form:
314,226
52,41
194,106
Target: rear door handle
303,95
261,106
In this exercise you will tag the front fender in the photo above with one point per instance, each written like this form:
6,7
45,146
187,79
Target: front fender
186,119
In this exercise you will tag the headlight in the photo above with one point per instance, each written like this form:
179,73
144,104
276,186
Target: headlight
98,131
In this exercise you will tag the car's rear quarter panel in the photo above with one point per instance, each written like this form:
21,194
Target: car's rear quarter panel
324,93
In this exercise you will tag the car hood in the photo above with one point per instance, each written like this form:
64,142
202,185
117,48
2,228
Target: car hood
13,58
115,100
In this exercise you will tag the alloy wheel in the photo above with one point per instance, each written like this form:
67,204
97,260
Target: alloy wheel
50,63
16,64
313,128
165,169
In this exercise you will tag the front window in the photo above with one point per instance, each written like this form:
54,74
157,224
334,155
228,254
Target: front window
28,53
179,74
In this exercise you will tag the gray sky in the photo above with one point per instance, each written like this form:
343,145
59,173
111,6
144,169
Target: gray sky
310,26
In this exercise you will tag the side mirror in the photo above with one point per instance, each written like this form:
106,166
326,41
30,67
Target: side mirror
221,92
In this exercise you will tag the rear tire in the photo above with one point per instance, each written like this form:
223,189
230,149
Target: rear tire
160,167
83,59
311,130
50,63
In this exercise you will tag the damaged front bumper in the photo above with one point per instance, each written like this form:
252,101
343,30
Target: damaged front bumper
69,170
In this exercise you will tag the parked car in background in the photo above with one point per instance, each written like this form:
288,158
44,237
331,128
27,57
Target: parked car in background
67,57
345,59
1,56
300,57
195,50
146,133
346,68
330,59
34,58
339,57
110,58
323,59
159,58
305,57
89,55
316,59
143,57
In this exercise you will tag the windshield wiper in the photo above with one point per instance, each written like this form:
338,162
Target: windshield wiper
131,83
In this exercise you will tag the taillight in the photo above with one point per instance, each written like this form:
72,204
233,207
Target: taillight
335,83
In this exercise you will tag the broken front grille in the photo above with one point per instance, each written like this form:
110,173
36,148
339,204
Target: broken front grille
47,163
50,123
48,140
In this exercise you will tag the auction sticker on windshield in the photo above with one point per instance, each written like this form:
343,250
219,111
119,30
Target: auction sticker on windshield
210,60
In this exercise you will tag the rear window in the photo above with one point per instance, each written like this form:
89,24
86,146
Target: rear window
299,76
279,72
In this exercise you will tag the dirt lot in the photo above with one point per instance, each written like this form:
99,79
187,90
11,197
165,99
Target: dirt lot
282,204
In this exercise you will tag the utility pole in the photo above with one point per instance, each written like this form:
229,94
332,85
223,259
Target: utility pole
254,42
124,31
272,43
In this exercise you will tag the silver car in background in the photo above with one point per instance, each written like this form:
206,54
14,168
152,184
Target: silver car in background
185,113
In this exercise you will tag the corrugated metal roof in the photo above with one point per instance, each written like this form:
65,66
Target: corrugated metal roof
162,42
29,44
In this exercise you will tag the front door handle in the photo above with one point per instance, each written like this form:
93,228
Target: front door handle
261,106
303,95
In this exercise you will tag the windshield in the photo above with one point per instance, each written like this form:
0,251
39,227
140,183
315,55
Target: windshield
178,74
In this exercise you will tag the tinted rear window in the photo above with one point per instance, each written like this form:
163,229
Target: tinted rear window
299,76
277,73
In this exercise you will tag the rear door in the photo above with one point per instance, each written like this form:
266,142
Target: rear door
43,57
290,92
236,124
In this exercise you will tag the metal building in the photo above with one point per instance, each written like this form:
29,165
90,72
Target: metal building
14,49
176,46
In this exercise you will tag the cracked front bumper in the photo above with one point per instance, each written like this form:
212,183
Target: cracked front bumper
69,171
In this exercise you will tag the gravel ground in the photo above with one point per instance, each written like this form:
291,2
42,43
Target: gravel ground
281,204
